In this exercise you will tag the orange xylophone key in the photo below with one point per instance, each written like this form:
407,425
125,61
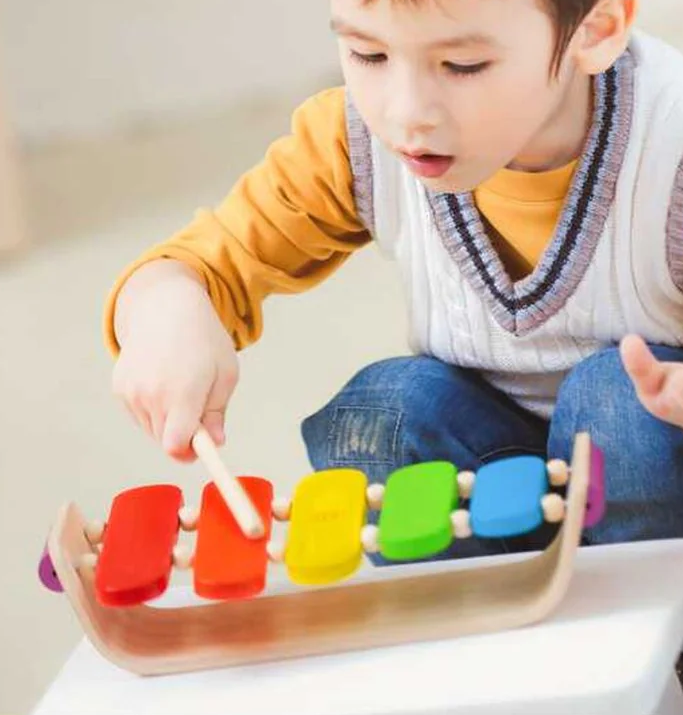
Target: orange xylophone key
227,564
137,551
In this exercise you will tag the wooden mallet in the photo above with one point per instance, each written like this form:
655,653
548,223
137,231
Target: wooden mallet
231,490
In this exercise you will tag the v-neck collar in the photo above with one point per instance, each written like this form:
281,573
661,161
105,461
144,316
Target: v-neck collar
524,305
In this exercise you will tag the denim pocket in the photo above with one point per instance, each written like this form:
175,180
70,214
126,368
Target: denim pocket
364,435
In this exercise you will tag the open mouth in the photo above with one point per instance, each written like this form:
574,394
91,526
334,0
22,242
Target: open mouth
428,165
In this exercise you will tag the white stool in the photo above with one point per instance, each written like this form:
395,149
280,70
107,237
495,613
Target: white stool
610,648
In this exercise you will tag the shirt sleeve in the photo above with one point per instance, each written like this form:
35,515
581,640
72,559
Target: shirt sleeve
287,224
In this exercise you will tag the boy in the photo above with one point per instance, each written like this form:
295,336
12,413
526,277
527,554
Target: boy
522,162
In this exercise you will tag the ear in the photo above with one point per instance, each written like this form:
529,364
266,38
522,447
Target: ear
603,35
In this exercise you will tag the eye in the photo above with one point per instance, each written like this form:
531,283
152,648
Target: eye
376,58
466,70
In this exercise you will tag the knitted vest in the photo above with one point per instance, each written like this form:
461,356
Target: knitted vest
613,266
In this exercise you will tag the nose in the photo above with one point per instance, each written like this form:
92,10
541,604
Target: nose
412,107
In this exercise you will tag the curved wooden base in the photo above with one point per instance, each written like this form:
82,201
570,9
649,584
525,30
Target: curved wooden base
406,608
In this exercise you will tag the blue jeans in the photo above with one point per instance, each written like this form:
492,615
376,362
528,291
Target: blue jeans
417,409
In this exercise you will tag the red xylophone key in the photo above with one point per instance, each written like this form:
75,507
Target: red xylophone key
137,551
227,564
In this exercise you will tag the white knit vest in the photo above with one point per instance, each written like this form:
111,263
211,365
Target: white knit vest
618,281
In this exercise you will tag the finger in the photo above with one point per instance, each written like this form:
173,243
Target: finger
669,403
140,417
646,372
137,411
149,413
158,422
216,404
213,421
182,422
131,404
677,390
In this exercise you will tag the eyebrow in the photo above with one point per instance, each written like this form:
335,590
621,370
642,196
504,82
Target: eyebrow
477,39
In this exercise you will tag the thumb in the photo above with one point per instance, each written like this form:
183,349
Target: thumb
213,418
214,422
646,372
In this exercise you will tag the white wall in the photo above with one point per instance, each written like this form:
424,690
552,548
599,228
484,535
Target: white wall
83,66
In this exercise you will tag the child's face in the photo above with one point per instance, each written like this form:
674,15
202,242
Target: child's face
469,81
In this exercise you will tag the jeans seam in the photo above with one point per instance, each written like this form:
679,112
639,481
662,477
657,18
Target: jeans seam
330,435
394,446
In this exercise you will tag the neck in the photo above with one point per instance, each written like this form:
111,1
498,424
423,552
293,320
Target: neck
562,138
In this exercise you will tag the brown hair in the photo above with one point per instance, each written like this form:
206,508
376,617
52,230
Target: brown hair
567,15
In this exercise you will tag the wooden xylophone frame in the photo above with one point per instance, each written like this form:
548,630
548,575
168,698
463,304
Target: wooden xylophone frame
150,640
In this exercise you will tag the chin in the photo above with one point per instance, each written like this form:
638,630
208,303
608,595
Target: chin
449,184
459,181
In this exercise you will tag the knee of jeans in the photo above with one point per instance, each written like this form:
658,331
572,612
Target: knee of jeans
359,428
361,435
580,403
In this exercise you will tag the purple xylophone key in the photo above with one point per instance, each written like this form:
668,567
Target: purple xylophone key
47,575
595,503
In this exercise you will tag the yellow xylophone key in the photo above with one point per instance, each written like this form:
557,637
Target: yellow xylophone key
323,540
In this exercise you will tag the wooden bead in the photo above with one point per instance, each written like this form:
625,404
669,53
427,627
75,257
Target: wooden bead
375,495
553,508
94,532
558,472
182,557
369,537
88,562
465,484
282,508
460,520
189,518
276,551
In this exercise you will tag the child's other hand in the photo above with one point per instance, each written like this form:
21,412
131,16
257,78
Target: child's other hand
659,385
177,366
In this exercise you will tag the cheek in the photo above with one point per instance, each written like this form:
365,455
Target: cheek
528,104
367,97
504,114
524,94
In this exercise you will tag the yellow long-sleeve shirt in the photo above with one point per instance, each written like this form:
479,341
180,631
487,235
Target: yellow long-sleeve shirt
291,221
523,209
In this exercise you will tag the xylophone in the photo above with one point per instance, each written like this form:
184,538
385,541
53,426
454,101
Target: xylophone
113,571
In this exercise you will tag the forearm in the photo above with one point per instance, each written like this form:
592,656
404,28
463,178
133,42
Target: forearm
166,274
